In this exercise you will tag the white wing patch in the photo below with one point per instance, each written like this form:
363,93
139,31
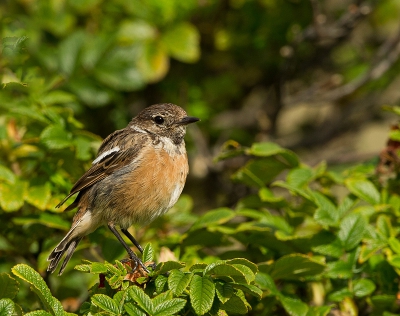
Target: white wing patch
105,154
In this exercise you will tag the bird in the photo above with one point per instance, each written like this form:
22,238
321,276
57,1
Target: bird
138,175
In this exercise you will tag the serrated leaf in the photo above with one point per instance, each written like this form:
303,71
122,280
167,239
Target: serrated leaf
252,266
249,288
364,189
165,296
352,229
9,287
169,307
296,266
294,306
202,290
236,304
142,299
215,217
106,303
39,196
7,307
183,42
160,282
56,137
224,291
29,275
221,269
247,272
164,267
133,310
98,267
178,281
38,313
148,253
12,195
198,267
363,287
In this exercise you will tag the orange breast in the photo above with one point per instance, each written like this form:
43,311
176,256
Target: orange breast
150,189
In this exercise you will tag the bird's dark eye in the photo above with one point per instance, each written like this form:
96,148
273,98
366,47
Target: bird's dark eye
159,119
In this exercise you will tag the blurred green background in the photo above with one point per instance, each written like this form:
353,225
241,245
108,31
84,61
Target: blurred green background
310,75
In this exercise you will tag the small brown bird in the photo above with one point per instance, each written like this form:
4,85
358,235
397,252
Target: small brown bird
138,175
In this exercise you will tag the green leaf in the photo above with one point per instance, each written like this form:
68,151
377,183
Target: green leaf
266,195
133,31
164,267
183,42
340,295
141,299
12,196
327,213
384,226
118,70
221,269
198,267
363,287
237,304
7,175
265,282
333,249
148,253
352,229
160,282
133,310
106,303
294,306
394,261
299,177
39,313
215,217
268,149
39,196
178,281
295,267
252,266
363,189
394,243
7,307
29,275
46,219
224,291
153,62
202,290
9,287
56,137
68,51
249,288
169,307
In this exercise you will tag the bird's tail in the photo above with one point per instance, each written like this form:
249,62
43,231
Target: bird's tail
67,247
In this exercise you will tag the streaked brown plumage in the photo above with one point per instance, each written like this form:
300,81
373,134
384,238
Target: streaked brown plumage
137,176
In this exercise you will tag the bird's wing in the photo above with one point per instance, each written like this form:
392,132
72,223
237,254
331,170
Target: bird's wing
109,160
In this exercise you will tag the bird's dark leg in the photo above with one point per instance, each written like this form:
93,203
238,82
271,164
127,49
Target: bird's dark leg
131,254
132,239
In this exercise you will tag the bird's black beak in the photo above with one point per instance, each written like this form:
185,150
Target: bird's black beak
187,120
